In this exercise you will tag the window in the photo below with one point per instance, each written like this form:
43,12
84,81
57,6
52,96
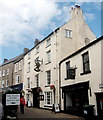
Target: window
0,73
67,68
70,71
48,42
16,67
29,56
37,50
29,67
28,82
17,79
48,98
68,33
37,80
7,83
49,56
20,64
2,83
3,72
48,77
86,67
7,72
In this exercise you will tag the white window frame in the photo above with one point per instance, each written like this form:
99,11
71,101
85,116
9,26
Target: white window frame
48,42
3,83
7,71
20,64
48,77
17,80
48,96
68,33
3,73
16,67
49,56
7,83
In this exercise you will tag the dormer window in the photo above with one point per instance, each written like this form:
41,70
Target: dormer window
68,33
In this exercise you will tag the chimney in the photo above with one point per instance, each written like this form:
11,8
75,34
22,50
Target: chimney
5,60
25,50
36,42
76,11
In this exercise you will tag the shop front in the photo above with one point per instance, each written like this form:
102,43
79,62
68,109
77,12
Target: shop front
99,99
75,97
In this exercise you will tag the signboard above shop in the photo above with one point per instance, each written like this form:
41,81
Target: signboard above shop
12,99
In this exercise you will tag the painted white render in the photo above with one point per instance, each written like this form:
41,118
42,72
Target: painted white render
60,47
94,77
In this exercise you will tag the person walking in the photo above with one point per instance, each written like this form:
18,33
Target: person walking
22,104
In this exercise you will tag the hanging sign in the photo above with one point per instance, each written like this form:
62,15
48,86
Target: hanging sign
12,99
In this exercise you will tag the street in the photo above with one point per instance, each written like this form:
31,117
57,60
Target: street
36,113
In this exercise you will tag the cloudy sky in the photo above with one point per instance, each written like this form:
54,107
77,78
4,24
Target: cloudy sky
22,21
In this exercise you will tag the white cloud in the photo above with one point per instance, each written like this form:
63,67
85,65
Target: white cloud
89,16
20,19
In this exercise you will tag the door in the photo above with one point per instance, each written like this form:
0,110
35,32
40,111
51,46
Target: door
35,99
99,97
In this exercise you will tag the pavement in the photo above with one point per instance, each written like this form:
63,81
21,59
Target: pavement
35,113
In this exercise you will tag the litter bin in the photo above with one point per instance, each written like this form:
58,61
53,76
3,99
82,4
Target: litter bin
88,110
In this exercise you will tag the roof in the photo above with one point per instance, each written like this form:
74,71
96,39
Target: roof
13,60
81,49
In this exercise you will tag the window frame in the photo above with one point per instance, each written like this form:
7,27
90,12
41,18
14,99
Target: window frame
48,77
48,98
48,42
84,63
68,33
48,56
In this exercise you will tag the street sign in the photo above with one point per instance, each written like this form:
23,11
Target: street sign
12,99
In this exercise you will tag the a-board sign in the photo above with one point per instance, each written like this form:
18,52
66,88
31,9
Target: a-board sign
57,108
12,99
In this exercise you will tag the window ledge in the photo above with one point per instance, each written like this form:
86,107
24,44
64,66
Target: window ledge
47,86
48,106
47,63
88,72
48,45
69,78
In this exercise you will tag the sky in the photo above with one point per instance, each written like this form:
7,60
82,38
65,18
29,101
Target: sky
23,21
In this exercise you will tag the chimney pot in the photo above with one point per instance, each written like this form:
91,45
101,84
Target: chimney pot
5,60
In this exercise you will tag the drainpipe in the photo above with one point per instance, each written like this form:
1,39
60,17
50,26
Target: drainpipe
60,85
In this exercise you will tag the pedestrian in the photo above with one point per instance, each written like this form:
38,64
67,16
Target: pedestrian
22,104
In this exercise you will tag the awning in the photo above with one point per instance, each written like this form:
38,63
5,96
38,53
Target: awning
18,87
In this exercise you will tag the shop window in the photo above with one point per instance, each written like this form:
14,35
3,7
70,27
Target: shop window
48,98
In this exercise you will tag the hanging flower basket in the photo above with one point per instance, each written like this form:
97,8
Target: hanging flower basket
39,90
52,87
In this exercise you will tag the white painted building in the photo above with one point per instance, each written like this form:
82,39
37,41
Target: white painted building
81,79
50,51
